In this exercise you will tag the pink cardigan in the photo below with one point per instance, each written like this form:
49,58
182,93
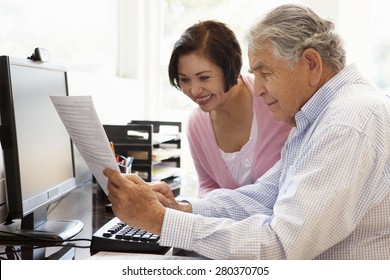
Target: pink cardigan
209,165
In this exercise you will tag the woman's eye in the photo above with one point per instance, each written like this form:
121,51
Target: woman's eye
183,80
204,78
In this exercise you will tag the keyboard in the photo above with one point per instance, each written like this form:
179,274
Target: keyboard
116,236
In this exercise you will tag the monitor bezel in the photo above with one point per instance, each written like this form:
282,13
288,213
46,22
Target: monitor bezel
17,207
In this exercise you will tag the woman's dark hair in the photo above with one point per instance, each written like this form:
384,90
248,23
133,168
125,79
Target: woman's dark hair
217,42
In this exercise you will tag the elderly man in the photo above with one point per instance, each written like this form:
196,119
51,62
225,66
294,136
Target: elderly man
329,195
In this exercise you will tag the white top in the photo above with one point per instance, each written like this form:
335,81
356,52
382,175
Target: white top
240,163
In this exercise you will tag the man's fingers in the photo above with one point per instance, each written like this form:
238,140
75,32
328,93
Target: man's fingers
108,172
115,177
135,178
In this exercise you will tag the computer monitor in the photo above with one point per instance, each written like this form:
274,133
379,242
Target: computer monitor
37,150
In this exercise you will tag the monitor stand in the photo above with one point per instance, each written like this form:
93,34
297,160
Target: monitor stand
36,228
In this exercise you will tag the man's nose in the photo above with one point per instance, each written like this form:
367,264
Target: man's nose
259,89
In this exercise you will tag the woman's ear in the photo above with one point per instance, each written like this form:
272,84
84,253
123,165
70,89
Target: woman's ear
314,63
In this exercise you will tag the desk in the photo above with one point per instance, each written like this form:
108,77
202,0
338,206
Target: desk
86,204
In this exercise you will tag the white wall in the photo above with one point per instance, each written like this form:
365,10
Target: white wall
139,50
117,100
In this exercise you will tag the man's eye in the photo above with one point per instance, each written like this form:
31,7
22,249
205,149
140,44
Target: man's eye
265,75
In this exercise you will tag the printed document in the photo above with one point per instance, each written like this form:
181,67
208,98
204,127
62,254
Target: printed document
79,116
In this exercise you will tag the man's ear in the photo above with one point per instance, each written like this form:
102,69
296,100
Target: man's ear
313,61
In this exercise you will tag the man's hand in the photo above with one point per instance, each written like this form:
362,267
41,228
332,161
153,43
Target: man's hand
134,202
166,198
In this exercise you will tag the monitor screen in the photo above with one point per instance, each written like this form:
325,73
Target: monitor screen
38,156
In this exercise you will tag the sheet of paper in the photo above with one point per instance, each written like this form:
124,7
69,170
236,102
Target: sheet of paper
87,133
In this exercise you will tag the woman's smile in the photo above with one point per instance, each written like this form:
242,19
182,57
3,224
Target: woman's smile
203,100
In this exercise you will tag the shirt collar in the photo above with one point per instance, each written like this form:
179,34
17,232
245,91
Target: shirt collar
321,99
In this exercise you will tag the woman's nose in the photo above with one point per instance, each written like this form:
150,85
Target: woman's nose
196,89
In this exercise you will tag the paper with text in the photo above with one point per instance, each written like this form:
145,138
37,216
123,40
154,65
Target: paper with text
79,116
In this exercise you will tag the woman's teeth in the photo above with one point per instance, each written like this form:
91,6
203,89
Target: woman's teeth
203,99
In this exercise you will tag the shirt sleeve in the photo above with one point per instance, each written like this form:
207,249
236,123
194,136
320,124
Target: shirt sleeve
214,220
317,205
243,202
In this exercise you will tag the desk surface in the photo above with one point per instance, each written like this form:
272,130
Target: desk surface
86,204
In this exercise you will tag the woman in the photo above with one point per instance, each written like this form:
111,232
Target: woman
232,135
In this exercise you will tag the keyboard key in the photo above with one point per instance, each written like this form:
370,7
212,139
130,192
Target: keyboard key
154,238
136,237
